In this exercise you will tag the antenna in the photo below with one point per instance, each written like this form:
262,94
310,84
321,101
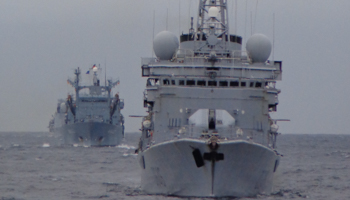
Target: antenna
179,17
273,40
167,13
235,17
191,30
105,72
245,22
256,13
251,22
189,9
67,85
225,18
233,14
154,14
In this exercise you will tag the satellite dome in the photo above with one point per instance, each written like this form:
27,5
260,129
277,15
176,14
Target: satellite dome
259,48
213,12
165,45
146,123
63,108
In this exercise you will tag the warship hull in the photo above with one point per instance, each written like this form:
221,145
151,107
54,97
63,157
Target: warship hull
189,167
91,134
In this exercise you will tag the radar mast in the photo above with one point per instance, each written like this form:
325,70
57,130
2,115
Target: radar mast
212,25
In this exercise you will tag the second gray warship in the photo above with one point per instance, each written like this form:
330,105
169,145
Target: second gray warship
208,132
92,117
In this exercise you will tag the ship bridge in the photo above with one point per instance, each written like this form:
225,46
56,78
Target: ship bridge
203,66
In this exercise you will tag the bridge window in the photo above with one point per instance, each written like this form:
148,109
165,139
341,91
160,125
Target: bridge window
271,84
223,83
243,84
251,84
212,83
190,82
201,83
258,84
173,82
152,82
234,83
181,82
166,82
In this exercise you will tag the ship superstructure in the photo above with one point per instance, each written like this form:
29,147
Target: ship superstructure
208,131
92,117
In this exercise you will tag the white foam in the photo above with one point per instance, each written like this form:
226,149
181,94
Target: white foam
46,145
129,154
124,146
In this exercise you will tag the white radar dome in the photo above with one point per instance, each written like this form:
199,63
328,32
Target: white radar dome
165,45
63,108
146,123
274,128
259,48
213,12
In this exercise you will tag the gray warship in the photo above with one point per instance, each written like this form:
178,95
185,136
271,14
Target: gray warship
208,132
92,117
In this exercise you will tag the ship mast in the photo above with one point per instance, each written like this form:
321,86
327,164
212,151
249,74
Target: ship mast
212,26
75,83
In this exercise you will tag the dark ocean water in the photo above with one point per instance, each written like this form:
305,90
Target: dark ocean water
37,166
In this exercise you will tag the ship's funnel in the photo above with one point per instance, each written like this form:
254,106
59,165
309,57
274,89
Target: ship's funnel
165,45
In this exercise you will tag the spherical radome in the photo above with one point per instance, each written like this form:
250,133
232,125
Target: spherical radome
259,48
63,107
213,12
146,123
165,45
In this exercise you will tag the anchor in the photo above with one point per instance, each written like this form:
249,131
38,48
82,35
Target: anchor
213,155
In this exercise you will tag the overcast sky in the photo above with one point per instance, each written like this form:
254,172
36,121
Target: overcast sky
42,41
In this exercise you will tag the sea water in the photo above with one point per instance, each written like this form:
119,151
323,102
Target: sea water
37,166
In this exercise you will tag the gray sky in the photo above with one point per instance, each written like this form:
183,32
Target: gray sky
42,41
